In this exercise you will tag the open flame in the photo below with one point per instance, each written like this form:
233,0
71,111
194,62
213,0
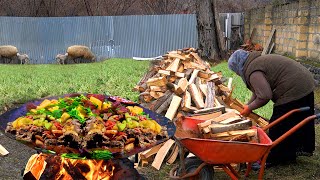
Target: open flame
56,167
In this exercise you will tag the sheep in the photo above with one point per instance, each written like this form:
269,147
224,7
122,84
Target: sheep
23,58
79,51
61,58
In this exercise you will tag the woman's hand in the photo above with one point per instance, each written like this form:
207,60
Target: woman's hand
246,111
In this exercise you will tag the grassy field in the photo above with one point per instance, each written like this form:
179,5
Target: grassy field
20,84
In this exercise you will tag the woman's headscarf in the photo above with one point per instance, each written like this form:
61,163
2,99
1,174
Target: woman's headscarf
237,60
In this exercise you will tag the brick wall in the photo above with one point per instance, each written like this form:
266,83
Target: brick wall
297,27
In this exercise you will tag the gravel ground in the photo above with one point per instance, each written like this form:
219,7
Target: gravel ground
12,164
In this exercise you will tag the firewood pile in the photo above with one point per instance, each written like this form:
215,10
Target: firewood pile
181,84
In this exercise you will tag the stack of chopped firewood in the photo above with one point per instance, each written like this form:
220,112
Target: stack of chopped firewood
182,84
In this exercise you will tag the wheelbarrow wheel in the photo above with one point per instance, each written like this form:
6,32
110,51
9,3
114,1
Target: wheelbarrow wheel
191,164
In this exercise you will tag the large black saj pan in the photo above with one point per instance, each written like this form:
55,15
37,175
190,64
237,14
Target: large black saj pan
13,114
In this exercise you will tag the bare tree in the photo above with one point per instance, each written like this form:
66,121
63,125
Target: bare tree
209,33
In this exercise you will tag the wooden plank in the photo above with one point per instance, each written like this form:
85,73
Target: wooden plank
3,151
195,96
160,81
162,154
193,76
154,150
266,47
197,57
174,105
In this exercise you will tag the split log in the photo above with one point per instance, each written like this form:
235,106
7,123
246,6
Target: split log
177,56
193,76
210,110
154,150
164,72
231,120
173,156
186,102
145,97
182,86
206,116
3,151
158,88
230,84
161,81
188,73
195,95
210,95
165,105
181,68
193,65
204,74
156,94
204,89
162,154
174,65
219,128
156,104
230,134
174,105
179,74
226,116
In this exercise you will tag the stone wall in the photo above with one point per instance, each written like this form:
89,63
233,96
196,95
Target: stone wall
297,27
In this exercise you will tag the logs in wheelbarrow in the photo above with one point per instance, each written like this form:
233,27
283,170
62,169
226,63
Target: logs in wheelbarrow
223,153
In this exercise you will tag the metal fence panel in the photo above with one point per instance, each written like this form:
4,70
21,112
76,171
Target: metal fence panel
43,38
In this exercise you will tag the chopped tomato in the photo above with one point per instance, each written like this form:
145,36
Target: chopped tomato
142,118
109,124
58,125
29,117
121,133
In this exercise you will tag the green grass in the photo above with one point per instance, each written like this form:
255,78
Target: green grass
20,84
241,92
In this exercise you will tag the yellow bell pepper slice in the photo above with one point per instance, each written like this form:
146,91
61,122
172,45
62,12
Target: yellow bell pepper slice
64,117
44,104
96,101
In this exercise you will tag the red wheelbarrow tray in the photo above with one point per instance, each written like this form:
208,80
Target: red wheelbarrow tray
226,152
223,153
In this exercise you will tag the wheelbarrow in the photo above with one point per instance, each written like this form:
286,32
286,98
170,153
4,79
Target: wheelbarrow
224,153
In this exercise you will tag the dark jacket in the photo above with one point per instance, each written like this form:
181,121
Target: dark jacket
288,79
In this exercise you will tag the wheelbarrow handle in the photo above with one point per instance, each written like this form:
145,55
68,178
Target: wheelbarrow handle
285,116
295,128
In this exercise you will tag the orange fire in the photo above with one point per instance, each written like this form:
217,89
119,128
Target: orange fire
69,169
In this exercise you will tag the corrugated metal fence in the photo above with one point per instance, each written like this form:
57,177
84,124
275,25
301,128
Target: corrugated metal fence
107,36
